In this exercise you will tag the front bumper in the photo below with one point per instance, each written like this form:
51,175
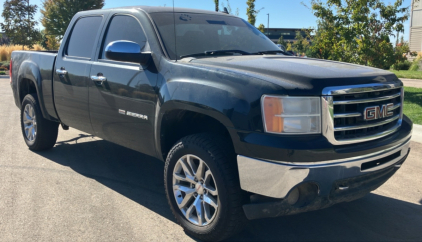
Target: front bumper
279,179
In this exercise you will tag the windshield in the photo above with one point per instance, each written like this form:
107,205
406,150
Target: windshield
198,33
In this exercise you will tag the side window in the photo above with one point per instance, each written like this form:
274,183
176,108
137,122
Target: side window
82,39
123,27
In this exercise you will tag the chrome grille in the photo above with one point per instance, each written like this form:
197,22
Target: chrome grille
344,109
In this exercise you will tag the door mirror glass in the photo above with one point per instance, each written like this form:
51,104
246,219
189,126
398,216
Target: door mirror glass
126,51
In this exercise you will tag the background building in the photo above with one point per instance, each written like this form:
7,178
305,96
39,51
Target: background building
288,34
415,38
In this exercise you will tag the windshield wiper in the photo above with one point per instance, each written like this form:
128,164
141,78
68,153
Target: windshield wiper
216,52
271,52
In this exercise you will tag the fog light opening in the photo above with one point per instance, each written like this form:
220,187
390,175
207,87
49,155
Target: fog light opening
293,196
303,195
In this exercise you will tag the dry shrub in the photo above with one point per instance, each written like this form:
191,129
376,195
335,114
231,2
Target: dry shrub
6,50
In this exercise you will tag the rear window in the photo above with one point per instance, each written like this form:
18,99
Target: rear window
82,39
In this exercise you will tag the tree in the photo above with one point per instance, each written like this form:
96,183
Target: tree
52,42
358,31
261,28
57,14
251,12
216,2
229,8
281,41
19,24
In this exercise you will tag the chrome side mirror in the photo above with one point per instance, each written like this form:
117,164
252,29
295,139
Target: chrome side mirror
127,51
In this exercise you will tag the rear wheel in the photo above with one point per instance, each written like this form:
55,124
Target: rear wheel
39,133
202,187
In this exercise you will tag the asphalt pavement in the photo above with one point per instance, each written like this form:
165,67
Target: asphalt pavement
87,189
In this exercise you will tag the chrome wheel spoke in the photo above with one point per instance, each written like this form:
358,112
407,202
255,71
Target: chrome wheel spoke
33,132
189,212
207,183
207,213
211,191
188,172
186,200
184,189
200,171
198,206
27,132
210,200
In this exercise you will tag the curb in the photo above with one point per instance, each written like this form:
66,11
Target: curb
417,133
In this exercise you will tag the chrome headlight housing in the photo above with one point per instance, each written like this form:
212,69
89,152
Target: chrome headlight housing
291,115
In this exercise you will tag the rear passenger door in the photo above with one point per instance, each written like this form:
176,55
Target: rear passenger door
71,77
122,107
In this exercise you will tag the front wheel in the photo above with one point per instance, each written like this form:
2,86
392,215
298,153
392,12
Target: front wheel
202,187
38,132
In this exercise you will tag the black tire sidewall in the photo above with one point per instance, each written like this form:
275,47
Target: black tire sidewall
219,220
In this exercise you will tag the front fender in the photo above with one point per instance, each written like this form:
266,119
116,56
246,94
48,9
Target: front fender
30,70
218,101
221,102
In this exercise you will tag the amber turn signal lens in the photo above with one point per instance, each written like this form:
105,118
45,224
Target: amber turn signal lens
272,108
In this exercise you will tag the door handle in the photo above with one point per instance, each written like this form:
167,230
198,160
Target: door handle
98,78
61,71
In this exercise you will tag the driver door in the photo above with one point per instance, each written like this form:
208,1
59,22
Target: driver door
121,95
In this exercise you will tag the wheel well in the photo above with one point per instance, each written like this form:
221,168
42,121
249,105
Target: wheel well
177,124
26,87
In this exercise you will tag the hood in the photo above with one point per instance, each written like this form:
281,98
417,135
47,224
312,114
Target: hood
298,76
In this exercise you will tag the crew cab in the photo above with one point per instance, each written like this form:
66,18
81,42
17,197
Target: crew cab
246,131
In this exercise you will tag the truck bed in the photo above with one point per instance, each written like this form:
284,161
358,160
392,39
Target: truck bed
38,67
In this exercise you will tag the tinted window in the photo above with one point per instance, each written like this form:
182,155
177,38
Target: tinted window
124,28
82,39
197,33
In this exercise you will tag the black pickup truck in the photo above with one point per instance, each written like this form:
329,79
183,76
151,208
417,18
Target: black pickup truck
246,131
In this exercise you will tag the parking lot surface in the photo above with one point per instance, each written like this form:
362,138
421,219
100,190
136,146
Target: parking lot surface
87,189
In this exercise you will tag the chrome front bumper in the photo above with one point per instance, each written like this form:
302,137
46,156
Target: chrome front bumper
277,178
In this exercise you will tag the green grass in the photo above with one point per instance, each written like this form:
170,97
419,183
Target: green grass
413,104
408,74
2,73
4,63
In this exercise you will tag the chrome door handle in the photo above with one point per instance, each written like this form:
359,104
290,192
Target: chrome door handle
61,72
99,78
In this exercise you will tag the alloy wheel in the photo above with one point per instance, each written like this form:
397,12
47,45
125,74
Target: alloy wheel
195,190
30,122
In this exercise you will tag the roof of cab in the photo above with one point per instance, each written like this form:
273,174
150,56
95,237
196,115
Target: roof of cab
150,9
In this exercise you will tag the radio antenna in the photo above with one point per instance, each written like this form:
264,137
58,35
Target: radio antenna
175,37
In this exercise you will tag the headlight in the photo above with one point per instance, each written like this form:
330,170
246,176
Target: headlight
291,115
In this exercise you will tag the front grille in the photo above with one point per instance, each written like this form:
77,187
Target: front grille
347,123
347,111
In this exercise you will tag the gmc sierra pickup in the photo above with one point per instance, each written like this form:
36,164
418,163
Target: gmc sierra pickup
245,130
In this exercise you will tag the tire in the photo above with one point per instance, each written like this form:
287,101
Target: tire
220,166
45,132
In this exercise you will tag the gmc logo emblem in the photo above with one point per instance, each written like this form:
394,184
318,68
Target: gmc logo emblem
372,113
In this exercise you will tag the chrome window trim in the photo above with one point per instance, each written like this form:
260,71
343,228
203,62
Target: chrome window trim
328,116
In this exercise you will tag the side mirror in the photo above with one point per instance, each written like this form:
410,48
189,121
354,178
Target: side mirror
128,51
